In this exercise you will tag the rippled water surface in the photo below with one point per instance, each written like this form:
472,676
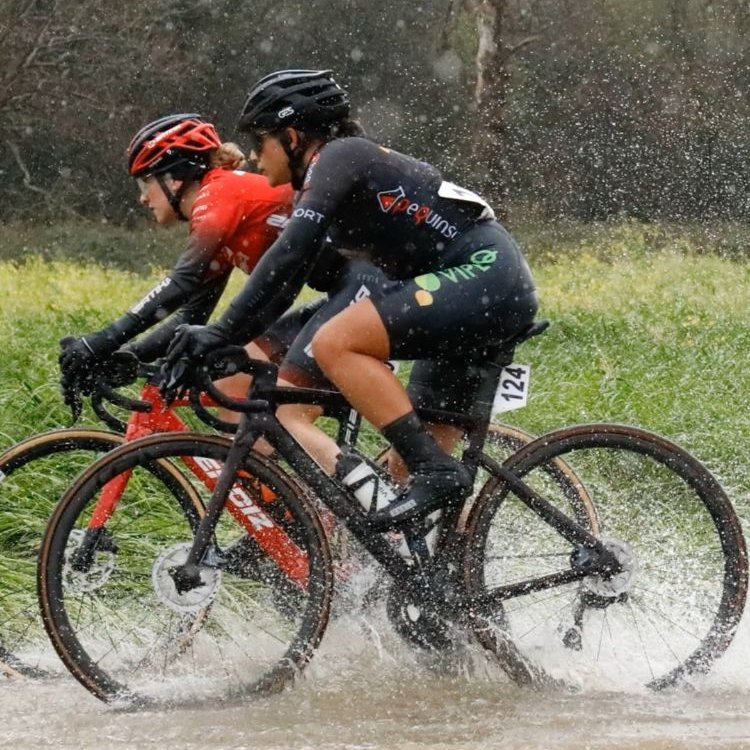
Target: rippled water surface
364,690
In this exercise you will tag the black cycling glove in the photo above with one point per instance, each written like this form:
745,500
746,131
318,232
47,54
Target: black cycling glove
195,342
79,354
189,346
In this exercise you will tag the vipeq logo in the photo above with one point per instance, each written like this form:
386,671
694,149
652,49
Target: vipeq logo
480,262
397,202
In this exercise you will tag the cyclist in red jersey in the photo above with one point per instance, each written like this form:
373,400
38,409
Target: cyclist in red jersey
185,173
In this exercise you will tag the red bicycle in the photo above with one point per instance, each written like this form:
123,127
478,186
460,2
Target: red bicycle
35,472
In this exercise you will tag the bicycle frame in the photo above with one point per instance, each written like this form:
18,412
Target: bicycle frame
155,415
259,420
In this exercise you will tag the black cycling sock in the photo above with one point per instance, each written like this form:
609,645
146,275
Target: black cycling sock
415,445
437,478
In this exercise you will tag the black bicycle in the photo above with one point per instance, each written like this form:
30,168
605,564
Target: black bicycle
35,472
646,584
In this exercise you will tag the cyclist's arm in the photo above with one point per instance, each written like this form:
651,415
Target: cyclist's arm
196,311
281,273
192,271
155,344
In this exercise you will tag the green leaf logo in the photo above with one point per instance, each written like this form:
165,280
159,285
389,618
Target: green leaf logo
428,281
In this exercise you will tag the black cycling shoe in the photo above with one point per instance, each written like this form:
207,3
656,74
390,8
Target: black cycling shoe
425,493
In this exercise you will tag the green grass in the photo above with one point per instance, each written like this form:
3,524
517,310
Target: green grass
658,340
642,332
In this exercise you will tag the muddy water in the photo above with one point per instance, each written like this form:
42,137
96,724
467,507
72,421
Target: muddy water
366,691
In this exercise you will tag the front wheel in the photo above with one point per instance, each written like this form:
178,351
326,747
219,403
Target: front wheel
114,613
666,616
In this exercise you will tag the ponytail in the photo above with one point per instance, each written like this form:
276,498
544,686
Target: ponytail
347,128
227,156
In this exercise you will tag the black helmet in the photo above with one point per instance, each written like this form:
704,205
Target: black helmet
179,144
294,97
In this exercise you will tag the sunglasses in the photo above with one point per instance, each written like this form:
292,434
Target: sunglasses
256,139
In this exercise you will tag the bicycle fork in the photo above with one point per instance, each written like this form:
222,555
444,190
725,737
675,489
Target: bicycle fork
187,576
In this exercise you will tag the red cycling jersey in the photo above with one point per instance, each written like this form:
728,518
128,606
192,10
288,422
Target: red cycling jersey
235,218
239,215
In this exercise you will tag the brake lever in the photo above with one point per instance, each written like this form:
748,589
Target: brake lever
176,379
72,399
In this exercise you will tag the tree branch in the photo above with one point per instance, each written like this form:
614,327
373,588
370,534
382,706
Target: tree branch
26,175
513,48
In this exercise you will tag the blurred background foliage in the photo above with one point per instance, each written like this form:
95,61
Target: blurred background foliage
552,108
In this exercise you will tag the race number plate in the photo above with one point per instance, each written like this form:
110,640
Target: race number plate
513,388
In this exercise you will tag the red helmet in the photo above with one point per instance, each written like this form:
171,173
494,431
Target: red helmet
179,144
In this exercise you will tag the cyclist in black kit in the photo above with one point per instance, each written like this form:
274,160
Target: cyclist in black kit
459,284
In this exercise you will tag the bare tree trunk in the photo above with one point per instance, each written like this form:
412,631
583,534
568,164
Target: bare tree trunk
489,131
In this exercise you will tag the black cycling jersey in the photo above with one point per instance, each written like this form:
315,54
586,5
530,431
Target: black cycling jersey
389,208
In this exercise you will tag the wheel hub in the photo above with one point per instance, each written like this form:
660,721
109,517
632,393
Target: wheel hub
96,574
612,587
190,601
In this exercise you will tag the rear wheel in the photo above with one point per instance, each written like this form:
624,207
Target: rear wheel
33,475
120,624
674,607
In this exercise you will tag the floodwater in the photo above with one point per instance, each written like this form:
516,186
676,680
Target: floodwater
367,691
